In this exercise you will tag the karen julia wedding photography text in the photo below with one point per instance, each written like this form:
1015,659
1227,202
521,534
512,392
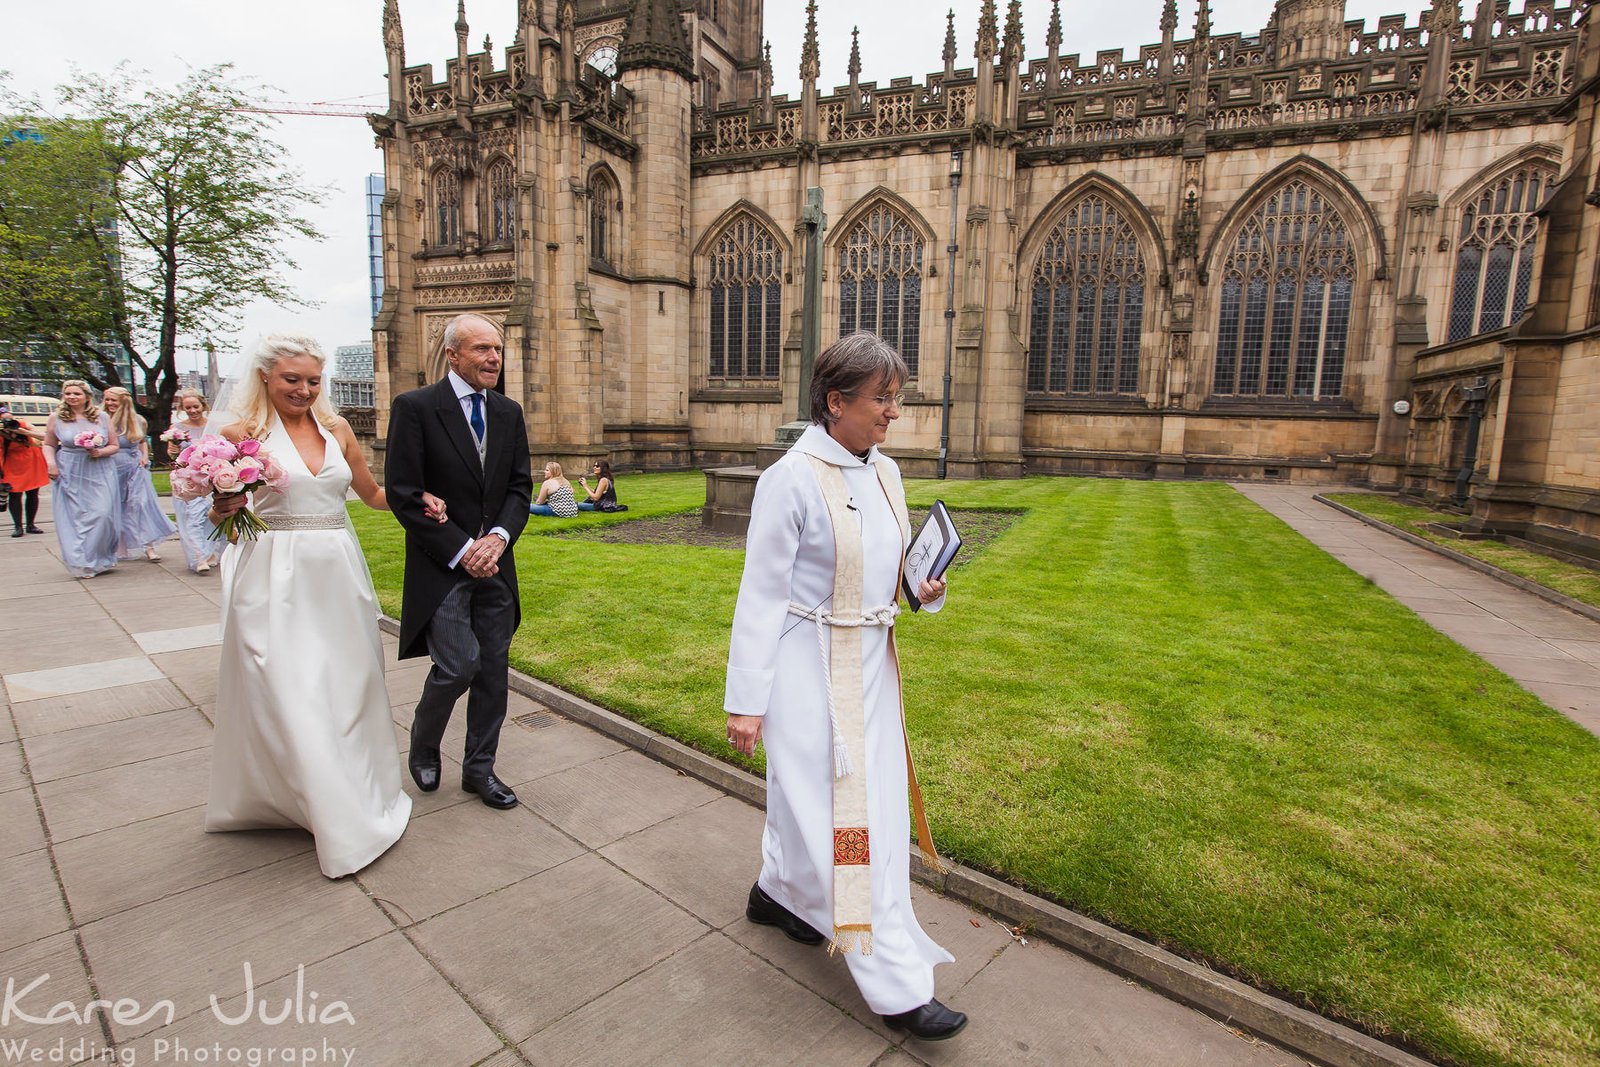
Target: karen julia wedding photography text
28,1004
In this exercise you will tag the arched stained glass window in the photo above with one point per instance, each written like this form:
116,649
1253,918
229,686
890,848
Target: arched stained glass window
604,218
745,296
1494,252
1087,306
501,185
446,208
880,281
1287,288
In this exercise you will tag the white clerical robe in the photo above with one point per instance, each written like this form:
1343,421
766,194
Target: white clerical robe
775,669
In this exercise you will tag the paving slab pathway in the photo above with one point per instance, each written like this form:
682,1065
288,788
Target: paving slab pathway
1549,651
601,922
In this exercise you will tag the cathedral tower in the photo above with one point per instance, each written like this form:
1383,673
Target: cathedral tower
656,66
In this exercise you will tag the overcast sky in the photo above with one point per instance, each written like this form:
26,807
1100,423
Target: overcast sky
332,51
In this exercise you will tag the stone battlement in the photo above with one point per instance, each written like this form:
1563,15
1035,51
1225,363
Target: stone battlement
1499,61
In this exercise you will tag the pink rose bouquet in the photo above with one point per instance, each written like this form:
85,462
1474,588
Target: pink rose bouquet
89,439
176,435
216,465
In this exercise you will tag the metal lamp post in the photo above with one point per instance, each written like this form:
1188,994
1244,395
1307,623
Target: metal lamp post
815,222
1475,395
949,312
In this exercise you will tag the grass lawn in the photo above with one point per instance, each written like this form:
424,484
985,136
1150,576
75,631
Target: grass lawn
162,481
1156,703
1579,583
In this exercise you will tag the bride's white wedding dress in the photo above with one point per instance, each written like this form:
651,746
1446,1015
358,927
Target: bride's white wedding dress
304,735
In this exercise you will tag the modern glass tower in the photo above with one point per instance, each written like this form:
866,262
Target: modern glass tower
375,239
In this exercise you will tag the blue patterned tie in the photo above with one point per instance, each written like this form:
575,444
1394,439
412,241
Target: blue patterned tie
477,416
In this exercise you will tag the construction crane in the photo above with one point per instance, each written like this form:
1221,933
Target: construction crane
319,108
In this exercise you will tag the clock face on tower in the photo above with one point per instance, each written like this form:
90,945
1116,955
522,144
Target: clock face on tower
604,59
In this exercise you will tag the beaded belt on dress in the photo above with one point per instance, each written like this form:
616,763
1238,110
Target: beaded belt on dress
303,522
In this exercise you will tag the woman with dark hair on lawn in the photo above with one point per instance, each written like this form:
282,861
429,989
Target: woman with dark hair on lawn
602,496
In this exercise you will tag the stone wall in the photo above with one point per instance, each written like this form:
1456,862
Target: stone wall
1398,127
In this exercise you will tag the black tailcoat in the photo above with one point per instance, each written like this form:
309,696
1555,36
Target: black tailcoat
431,448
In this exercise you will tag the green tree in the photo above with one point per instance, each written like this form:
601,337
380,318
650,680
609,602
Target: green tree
144,217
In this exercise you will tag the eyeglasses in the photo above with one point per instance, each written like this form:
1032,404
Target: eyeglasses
885,400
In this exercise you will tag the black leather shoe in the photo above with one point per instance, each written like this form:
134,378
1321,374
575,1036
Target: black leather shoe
17,532
424,771
34,529
931,1022
491,790
764,910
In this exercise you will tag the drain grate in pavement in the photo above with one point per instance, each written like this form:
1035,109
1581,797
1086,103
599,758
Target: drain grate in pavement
537,720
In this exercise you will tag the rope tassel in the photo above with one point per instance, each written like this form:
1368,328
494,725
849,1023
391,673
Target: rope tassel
884,616
842,767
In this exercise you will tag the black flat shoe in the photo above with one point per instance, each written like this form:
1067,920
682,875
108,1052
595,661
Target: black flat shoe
931,1022
424,770
765,911
17,532
491,790
34,529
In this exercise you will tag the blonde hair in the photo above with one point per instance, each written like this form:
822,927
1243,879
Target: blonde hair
553,469
184,394
90,411
250,400
127,422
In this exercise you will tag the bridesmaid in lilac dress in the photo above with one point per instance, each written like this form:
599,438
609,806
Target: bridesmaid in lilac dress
86,499
200,549
141,522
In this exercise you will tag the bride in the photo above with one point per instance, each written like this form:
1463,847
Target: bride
304,735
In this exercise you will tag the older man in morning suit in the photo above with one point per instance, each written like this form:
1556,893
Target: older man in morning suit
462,441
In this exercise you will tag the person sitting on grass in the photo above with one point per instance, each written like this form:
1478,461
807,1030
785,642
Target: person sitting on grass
555,494
602,496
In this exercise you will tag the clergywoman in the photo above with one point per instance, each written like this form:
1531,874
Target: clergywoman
812,674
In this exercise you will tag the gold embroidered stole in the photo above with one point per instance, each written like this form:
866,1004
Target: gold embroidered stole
846,688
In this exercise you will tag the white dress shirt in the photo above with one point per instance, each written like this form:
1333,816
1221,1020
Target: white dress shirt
464,393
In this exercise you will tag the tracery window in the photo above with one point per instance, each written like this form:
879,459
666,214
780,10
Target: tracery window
1087,307
1287,289
880,281
604,218
1494,253
501,185
446,208
745,283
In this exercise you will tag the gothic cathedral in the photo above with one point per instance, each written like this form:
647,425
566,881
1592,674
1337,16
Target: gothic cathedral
1315,253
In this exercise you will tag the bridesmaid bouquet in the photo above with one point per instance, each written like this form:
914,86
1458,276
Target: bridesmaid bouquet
176,435
88,439
215,464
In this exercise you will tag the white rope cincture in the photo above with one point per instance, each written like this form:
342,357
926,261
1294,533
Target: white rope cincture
884,616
